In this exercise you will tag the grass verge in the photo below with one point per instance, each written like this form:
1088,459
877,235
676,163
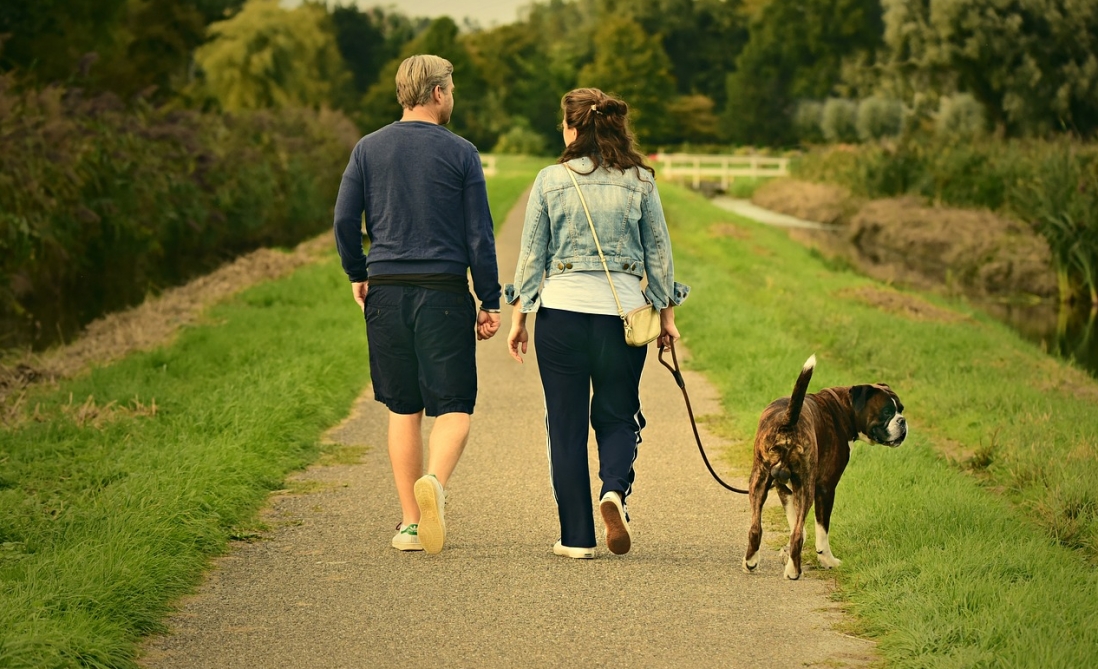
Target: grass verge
939,566
119,484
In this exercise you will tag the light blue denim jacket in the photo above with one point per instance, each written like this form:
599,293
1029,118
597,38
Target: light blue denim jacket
626,210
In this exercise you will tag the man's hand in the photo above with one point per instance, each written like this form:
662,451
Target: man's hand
359,291
487,324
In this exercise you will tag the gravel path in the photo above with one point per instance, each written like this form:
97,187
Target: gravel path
323,588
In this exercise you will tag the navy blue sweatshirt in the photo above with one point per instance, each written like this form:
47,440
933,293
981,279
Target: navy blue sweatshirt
422,189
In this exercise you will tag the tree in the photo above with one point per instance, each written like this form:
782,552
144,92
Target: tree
1033,64
796,51
701,37
513,59
633,65
266,56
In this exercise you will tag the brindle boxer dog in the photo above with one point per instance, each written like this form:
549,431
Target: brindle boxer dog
802,447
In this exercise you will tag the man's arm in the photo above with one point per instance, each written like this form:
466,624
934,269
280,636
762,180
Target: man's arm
480,237
350,203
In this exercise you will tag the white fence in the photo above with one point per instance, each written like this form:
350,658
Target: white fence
696,167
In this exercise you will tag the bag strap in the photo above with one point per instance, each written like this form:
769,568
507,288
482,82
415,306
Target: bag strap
689,410
583,201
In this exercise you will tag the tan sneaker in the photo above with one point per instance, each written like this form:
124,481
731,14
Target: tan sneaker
619,538
572,552
432,513
407,538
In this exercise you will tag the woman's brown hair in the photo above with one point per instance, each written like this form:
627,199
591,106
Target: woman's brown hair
602,131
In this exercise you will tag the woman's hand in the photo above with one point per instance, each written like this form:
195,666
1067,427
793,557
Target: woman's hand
518,338
668,331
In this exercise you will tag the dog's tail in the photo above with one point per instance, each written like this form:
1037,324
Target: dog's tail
800,389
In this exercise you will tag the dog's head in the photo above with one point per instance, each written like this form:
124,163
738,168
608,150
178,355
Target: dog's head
879,413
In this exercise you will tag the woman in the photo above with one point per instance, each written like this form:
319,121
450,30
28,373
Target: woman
588,372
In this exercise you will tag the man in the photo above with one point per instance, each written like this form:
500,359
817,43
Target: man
426,208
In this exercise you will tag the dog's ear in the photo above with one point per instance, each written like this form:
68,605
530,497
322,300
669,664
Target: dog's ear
860,395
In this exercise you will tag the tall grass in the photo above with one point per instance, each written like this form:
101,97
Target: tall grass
1051,185
973,544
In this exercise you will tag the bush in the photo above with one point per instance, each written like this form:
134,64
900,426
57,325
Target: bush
879,117
1051,186
521,140
838,120
960,118
806,121
100,204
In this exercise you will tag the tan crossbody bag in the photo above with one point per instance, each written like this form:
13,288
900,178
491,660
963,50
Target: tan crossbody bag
642,325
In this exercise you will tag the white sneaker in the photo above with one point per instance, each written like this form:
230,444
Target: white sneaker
407,538
432,513
569,551
619,538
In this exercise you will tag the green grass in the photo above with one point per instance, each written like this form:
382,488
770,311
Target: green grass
514,174
109,510
984,558
103,526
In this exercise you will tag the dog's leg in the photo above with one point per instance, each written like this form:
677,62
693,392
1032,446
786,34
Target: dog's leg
800,501
790,518
825,501
757,490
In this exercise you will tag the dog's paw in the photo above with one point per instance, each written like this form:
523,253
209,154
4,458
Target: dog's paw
827,560
750,565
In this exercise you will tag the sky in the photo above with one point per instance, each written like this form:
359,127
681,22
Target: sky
486,12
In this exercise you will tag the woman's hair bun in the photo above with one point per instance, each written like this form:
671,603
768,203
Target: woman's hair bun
613,107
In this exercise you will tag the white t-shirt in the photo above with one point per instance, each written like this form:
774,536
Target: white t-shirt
589,292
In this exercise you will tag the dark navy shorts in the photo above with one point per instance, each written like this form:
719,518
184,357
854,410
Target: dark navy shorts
422,349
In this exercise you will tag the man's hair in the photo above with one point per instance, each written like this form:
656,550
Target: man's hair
417,77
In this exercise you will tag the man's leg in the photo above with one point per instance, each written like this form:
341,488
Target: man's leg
406,455
447,442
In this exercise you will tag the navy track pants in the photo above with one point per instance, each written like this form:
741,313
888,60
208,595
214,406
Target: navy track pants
590,377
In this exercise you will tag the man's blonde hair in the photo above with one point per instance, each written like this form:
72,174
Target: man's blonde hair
417,77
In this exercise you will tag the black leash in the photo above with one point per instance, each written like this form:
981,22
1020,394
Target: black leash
682,386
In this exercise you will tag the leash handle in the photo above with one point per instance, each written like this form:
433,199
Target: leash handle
689,410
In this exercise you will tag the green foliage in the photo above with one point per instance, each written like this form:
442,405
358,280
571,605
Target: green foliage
1052,186
527,73
521,140
267,57
806,121
796,51
368,40
634,66
99,205
879,117
839,120
1031,63
701,38
960,118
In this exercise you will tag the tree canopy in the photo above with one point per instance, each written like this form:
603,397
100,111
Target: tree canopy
697,71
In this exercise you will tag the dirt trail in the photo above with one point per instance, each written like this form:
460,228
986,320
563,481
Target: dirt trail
323,588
